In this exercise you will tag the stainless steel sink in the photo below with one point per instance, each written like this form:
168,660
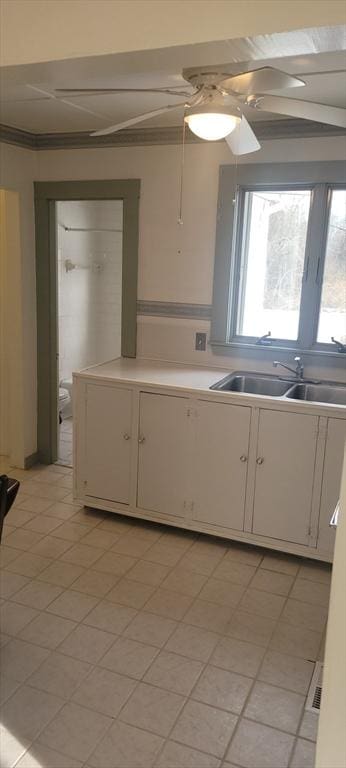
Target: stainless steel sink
253,384
318,393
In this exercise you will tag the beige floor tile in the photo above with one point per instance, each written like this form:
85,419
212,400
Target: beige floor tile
39,756
174,673
126,747
62,510
12,748
193,642
275,707
321,572
176,755
222,592
21,539
87,644
35,505
257,745
72,605
231,570
208,615
185,582
28,564
104,691
304,754
148,531
59,673
7,688
222,689
42,524
82,554
11,583
148,573
61,574
71,531
286,671
110,617
47,630
129,545
205,728
305,615
250,627
198,562
89,517
47,476
20,516
262,603
13,617
37,594
95,583
129,657
28,711
311,592
19,659
281,563
8,530
75,731
111,562
152,709
238,656
178,538
209,545
116,523
151,629
7,555
245,554
130,593
270,581
163,554
309,726
44,491
51,547
100,538
296,641
169,604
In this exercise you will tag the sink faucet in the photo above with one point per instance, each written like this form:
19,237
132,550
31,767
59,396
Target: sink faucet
298,370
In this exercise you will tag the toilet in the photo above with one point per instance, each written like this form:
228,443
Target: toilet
65,399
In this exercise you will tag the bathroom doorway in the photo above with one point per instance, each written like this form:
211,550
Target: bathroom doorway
89,244
87,253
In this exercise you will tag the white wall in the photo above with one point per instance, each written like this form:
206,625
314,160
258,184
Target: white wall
175,261
89,296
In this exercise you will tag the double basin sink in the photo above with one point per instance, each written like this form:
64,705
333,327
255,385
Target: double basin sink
274,386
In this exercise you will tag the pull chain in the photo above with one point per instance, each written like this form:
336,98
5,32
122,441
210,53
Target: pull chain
180,215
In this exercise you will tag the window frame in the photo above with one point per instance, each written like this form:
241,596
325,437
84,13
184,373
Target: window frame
321,178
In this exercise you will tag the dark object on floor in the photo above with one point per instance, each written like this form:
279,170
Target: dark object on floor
8,492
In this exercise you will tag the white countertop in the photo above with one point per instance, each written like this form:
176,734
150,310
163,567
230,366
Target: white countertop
193,378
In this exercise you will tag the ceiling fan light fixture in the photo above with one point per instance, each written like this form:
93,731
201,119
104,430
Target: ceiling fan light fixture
211,122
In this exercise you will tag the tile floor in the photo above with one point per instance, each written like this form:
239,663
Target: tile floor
65,442
127,644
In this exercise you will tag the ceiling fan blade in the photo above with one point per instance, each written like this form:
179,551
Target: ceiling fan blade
104,91
260,81
307,110
242,141
137,119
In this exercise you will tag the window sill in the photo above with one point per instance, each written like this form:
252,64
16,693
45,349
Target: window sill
322,353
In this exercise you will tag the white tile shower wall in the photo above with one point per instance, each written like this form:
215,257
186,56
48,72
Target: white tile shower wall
89,294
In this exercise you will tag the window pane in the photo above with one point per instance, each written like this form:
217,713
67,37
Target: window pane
272,262
333,301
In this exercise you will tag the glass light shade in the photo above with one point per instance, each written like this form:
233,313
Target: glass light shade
211,125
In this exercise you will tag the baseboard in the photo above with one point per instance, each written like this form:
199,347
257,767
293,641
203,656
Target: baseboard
31,460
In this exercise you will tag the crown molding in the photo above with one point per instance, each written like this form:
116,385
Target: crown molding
265,129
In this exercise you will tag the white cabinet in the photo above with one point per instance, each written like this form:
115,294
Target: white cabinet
285,463
108,442
163,456
221,448
333,458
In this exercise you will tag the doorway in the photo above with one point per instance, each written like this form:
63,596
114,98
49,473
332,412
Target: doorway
87,254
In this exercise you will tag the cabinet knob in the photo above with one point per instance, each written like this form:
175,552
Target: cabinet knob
243,458
126,436
141,439
260,460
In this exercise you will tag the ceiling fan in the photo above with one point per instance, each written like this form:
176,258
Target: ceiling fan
213,110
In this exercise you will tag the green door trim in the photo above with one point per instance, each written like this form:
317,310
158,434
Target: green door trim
46,195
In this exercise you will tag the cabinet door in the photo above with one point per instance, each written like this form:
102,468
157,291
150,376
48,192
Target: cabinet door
285,462
332,469
108,442
163,454
220,463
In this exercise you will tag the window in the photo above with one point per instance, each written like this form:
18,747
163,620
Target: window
280,266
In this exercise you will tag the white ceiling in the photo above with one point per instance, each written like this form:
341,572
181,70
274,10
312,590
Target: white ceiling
29,102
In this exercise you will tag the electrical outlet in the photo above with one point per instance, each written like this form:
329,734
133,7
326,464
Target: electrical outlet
201,342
